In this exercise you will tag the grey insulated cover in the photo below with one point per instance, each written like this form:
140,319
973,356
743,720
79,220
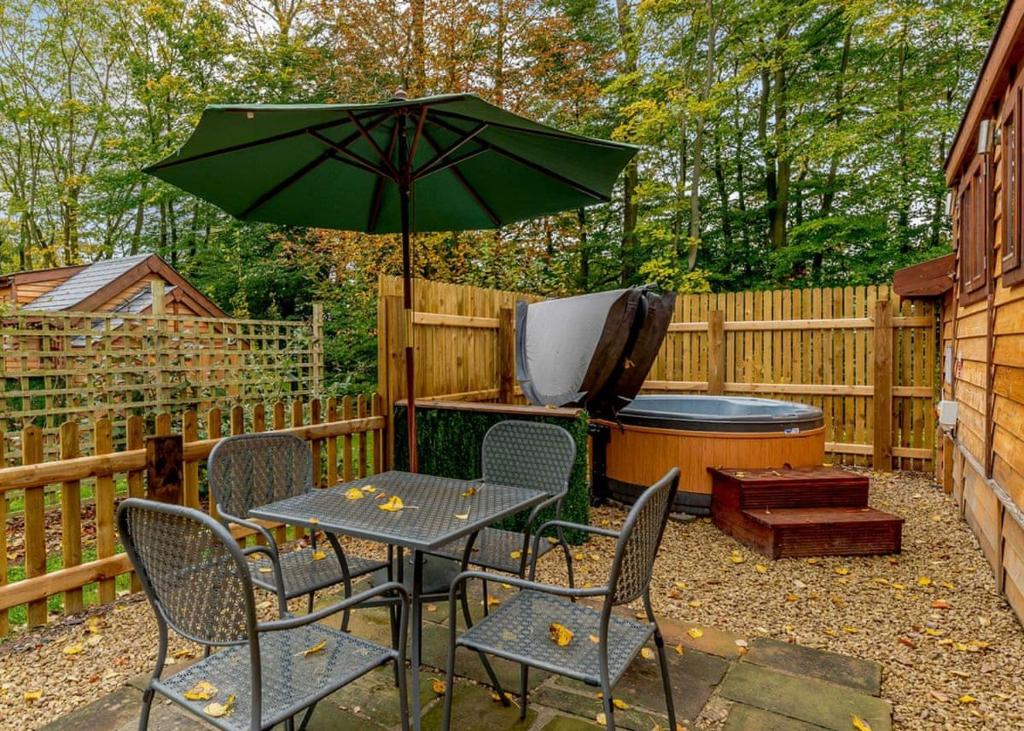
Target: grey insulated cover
594,350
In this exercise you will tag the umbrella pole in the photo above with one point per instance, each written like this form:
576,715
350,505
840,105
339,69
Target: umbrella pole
410,367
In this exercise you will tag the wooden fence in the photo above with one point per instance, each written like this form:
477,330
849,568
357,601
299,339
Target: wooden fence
66,366
346,438
864,356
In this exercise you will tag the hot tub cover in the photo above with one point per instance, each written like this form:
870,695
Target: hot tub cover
594,350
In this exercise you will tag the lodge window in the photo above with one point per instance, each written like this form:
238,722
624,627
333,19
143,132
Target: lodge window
974,198
1013,194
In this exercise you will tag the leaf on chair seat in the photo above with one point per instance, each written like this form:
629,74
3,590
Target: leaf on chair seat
218,710
461,516
319,555
470,491
354,493
516,555
318,647
313,520
393,504
204,690
595,639
265,570
560,634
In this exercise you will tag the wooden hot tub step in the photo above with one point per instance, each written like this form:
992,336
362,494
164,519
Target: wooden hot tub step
800,487
791,532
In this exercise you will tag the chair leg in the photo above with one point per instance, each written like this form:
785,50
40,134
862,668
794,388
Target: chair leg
289,724
306,716
666,681
487,608
309,604
464,600
207,650
147,704
524,684
609,710
568,565
403,695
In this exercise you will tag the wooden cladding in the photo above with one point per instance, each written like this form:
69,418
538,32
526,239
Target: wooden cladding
973,230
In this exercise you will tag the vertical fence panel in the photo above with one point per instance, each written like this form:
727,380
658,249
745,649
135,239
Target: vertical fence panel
104,497
35,521
361,414
71,513
135,439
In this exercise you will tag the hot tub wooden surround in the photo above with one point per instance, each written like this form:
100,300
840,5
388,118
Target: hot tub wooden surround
807,511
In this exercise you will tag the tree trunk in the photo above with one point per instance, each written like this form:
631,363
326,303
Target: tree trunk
419,49
829,196
583,281
698,142
780,211
767,149
903,199
500,29
631,174
723,195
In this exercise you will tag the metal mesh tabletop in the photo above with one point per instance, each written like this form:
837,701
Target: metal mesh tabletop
428,521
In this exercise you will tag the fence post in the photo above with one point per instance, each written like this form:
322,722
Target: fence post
317,348
716,352
393,386
135,439
71,514
106,544
506,356
35,522
882,447
159,309
190,433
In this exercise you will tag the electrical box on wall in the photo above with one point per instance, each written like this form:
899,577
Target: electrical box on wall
948,411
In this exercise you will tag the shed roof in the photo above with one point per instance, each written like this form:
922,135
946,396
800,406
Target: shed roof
74,290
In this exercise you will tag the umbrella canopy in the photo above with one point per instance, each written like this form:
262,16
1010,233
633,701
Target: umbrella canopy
441,163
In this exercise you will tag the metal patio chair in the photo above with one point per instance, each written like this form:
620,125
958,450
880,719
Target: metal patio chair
250,470
523,454
198,582
519,630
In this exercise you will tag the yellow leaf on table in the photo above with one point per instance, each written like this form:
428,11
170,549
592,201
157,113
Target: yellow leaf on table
319,555
924,581
620,704
842,570
695,633
469,492
860,724
204,690
318,647
737,557
761,568
516,555
33,695
461,516
75,649
438,686
965,699
647,653
368,488
265,570
354,493
595,639
560,634
392,505
218,710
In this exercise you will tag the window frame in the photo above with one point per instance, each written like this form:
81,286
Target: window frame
974,230
1011,265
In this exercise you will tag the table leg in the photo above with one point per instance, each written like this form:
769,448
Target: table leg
417,635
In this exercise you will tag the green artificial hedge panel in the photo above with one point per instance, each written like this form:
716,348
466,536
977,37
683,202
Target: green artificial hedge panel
449,444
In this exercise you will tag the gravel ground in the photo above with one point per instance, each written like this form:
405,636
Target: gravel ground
951,649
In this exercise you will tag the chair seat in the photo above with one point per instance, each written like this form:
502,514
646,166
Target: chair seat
302,575
291,680
518,630
492,549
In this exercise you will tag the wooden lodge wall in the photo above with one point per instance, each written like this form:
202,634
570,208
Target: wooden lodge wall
66,366
867,358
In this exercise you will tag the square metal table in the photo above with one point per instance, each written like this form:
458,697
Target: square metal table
426,524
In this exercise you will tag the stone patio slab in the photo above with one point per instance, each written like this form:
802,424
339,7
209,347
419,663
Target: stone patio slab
747,718
566,723
586,703
862,675
806,699
475,710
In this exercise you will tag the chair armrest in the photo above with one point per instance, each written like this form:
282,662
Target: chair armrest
553,500
304,619
524,584
607,532
282,604
251,525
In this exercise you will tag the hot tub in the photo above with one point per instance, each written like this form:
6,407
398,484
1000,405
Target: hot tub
657,432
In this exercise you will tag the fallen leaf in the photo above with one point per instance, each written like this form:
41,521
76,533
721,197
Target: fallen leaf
75,649
680,649
552,540
761,568
204,690
620,704
354,493
647,653
947,585
907,642
859,723
594,638
695,632
897,586
924,581
694,603
392,505
601,719
560,634
516,555
313,521
469,492
578,555
265,570
462,516
680,584
842,570
737,557
319,555
965,699
438,686
792,598
431,608
934,632
493,601
813,561
33,695
940,697
850,630
184,652
217,710
368,488
318,647
940,604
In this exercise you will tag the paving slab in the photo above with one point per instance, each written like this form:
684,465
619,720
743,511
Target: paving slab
708,639
694,675
475,710
468,664
567,723
328,717
856,673
375,696
747,718
805,699
585,702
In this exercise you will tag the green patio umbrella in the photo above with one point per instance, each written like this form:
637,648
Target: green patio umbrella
440,163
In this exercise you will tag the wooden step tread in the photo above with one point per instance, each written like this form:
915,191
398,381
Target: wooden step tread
816,516
817,476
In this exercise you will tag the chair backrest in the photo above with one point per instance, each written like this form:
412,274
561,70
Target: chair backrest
640,539
192,571
529,454
250,470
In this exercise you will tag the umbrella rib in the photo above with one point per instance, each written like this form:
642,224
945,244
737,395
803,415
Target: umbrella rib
428,167
378,188
286,183
376,148
415,140
465,184
541,132
352,158
450,163
578,187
